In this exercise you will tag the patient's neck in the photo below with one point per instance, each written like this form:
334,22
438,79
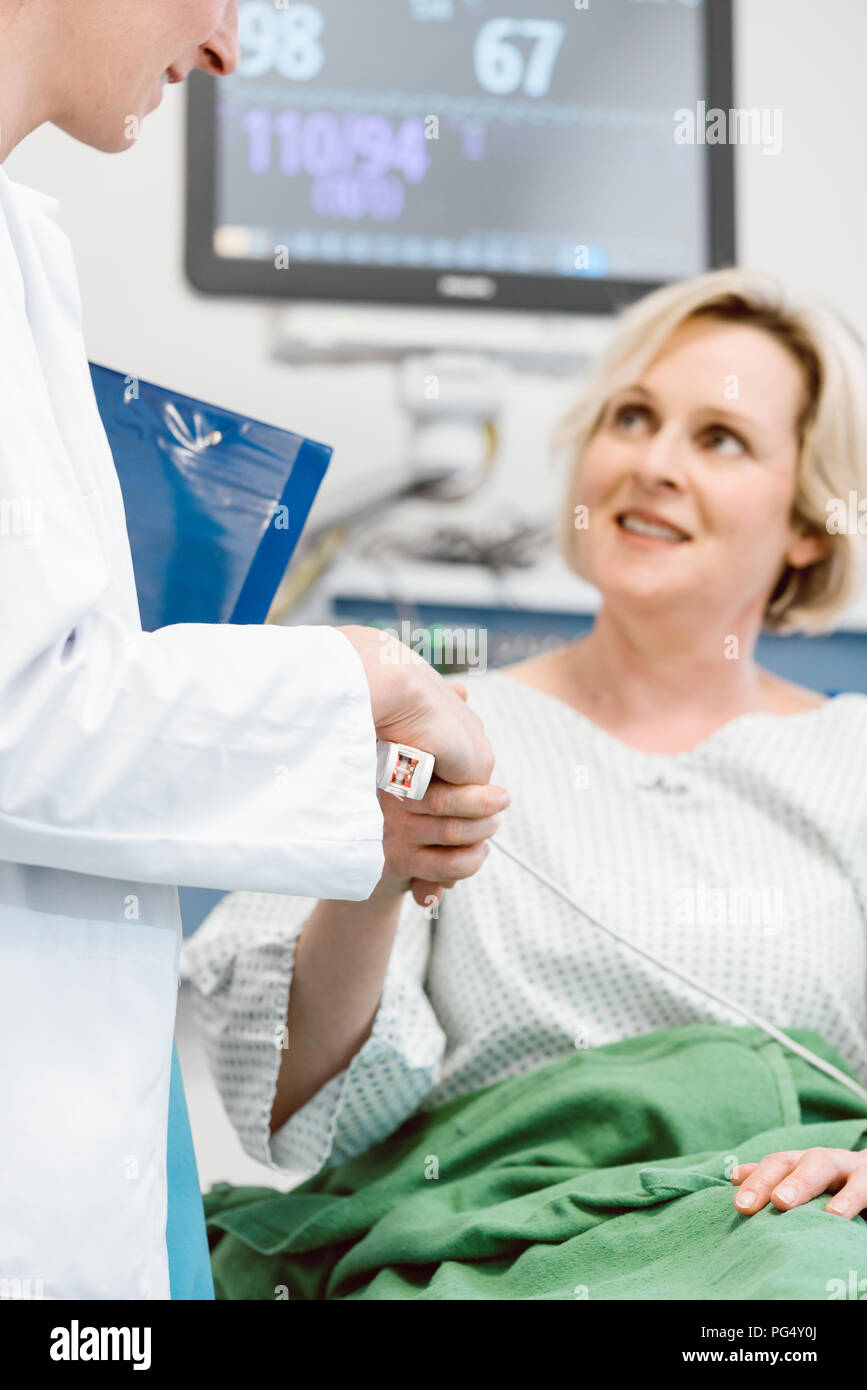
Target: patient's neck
663,696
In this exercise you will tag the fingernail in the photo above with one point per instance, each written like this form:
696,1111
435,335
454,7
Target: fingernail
839,1204
745,1199
505,800
786,1194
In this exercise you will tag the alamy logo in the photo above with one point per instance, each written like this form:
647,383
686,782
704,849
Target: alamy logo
439,645
737,126
21,516
75,1343
22,1288
707,906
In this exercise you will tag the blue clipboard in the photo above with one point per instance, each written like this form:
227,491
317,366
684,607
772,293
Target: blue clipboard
214,502
214,505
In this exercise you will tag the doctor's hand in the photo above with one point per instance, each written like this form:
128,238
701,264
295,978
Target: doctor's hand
412,703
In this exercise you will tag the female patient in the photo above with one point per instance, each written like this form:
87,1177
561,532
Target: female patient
686,796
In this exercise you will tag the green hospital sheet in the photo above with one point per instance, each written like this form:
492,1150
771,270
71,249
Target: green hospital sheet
601,1175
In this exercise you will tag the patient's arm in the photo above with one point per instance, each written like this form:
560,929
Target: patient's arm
340,962
342,954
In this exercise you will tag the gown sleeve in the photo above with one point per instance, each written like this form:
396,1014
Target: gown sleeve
239,964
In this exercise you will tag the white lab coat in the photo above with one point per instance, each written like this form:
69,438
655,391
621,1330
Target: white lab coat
220,757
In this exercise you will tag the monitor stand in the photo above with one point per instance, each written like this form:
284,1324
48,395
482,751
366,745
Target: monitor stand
454,369
560,344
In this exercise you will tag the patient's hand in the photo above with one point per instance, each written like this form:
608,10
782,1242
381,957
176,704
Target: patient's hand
796,1175
430,844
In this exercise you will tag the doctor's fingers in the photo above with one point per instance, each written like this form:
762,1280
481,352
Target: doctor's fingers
473,800
453,732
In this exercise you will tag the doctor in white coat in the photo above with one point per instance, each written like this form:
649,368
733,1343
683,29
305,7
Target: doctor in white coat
133,761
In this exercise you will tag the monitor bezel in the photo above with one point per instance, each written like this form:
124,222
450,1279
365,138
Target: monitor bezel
342,282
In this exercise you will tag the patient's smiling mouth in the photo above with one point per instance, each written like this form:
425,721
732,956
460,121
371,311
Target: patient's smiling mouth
648,528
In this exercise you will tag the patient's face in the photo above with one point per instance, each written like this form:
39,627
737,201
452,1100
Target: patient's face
705,439
111,56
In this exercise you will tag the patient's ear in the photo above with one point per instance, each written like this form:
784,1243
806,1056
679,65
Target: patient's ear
808,546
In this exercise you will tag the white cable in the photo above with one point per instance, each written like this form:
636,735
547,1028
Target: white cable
769,1028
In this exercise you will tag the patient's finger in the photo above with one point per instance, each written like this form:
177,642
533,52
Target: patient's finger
817,1170
851,1200
447,799
452,831
755,1192
427,894
442,865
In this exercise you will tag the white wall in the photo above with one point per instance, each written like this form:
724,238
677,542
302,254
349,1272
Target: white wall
802,214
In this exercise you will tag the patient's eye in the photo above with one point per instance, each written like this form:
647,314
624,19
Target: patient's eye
730,443
630,416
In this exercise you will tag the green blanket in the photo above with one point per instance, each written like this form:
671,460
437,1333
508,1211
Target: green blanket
601,1175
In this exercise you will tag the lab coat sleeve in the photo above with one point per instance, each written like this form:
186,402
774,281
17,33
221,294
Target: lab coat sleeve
239,966
217,756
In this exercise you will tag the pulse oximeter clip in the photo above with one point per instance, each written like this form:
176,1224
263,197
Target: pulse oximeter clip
402,770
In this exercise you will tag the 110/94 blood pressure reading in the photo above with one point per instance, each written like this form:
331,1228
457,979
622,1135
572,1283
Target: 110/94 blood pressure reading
358,162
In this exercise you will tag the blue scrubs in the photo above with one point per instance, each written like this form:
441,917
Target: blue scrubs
189,1260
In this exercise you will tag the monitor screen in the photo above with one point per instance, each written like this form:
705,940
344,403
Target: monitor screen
519,153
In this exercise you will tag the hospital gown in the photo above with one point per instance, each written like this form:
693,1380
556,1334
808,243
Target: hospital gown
742,861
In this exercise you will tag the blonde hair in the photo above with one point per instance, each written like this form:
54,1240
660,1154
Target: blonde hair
832,428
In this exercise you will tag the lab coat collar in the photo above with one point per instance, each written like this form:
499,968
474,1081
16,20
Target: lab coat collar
44,202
